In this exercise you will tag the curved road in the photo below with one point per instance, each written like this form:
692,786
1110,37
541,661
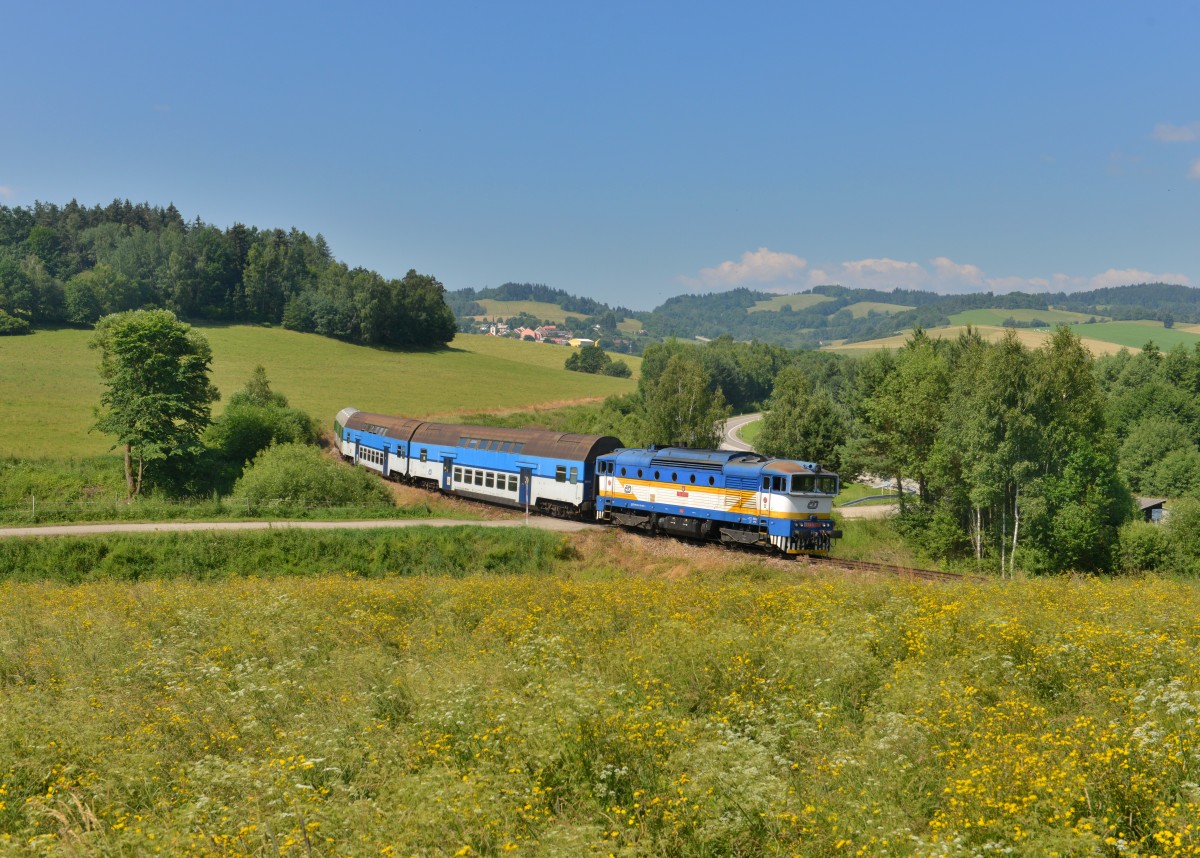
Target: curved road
541,523
730,439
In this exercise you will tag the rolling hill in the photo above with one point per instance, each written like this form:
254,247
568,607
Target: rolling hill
49,383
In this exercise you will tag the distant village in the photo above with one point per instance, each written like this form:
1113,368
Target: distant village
556,334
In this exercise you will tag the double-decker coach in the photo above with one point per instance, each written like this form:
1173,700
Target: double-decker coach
553,472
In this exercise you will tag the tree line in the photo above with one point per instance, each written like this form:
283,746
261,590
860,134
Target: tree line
73,264
1004,457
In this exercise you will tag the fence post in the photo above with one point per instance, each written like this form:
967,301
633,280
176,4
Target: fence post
33,506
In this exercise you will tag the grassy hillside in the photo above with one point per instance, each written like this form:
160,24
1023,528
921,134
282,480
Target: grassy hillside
796,302
49,383
863,308
999,317
542,310
1102,338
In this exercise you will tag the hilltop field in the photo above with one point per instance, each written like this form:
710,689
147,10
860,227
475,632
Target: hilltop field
49,382
1100,338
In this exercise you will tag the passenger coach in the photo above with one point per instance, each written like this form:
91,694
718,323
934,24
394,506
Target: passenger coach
553,472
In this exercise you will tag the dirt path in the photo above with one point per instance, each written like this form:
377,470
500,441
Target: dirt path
539,522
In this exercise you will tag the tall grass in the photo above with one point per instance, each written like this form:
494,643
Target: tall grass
212,555
704,715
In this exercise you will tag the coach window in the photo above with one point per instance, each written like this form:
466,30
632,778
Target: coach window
512,482
560,474
491,480
424,455
458,475
574,475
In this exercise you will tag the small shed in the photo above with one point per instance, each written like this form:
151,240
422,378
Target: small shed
1152,508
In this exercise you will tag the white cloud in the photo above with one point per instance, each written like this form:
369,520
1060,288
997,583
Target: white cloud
769,271
1166,132
947,269
1194,172
1128,276
881,274
947,276
755,267
6,192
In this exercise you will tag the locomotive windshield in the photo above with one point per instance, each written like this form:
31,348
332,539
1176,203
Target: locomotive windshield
804,483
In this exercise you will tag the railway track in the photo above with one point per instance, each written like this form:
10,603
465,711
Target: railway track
889,569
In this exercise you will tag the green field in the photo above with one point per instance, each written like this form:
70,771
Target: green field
799,301
862,308
527,693
1100,339
543,310
1134,335
998,317
49,382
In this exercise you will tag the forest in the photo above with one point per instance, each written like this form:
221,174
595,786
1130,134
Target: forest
73,264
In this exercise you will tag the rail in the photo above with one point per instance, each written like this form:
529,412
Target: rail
895,571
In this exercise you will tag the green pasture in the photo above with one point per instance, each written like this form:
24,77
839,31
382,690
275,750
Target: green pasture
49,384
543,310
862,308
800,301
1134,335
994,316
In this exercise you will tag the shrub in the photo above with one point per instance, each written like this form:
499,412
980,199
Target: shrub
298,475
1143,547
10,325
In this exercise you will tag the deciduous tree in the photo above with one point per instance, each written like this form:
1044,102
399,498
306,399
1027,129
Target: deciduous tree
157,396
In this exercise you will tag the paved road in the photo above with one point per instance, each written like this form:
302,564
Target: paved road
537,521
730,439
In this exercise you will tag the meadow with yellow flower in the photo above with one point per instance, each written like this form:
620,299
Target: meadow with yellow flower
625,697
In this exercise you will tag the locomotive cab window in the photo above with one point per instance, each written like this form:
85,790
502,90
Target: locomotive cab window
766,484
827,485
779,484
801,483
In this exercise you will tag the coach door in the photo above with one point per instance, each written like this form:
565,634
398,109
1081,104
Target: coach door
447,471
525,488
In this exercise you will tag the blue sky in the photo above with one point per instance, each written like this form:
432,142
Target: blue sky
634,151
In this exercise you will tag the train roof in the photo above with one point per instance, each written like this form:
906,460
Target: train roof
535,442
712,460
378,424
